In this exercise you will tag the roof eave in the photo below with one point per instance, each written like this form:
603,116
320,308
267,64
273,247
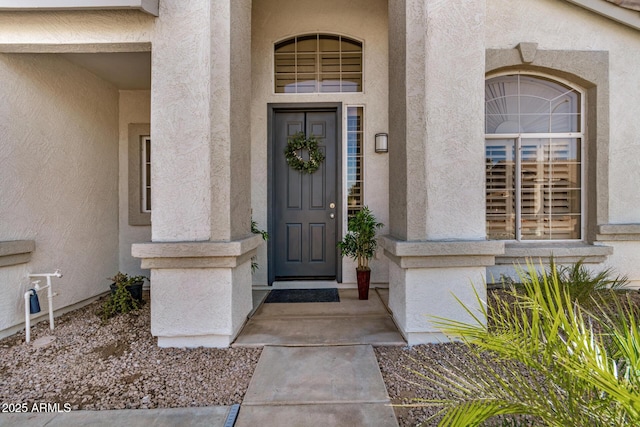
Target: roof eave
628,17
148,6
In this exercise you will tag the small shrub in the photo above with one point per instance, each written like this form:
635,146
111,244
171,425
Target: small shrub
118,302
120,299
582,285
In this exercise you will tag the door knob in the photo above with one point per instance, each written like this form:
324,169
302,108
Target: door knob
332,216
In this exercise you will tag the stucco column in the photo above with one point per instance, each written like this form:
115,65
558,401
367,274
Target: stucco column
437,242
201,204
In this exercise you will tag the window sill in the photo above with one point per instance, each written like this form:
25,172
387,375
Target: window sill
562,252
619,232
16,252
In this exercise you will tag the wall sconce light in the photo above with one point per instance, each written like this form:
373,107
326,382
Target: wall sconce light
382,142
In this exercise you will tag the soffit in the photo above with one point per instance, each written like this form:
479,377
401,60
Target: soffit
126,70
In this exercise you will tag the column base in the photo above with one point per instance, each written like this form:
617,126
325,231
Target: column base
429,281
200,291
416,338
186,341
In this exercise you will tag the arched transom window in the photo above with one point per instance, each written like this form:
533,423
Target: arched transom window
533,149
318,63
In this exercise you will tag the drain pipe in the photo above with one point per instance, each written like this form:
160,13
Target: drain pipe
50,295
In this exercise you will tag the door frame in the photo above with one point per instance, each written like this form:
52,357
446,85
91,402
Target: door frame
273,109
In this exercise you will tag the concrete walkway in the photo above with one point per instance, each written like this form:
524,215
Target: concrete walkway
317,386
317,368
215,416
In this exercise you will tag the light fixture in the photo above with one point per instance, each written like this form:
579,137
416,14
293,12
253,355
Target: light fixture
382,143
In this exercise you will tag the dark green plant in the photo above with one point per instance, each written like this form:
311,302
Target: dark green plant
584,286
360,242
265,237
544,357
120,300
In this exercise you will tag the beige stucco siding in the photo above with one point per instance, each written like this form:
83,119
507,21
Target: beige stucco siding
58,175
555,25
134,107
363,20
37,29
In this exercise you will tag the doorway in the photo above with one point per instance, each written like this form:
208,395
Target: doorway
305,209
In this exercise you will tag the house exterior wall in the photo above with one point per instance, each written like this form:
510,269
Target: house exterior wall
561,26
59,132
363,20
58,175
134,108
79,31
423,73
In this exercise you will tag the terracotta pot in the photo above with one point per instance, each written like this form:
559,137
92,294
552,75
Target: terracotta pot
363,283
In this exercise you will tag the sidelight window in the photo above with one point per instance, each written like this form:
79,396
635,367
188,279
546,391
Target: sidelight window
355,159
145,168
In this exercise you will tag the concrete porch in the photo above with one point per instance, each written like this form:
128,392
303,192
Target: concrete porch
348,322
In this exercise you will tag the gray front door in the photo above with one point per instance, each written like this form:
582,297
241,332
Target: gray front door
304,206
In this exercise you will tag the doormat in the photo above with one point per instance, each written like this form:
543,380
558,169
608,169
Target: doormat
303,295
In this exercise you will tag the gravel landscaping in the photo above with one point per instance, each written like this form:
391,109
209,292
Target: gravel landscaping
117,365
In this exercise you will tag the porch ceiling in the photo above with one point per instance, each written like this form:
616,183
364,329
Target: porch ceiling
126,70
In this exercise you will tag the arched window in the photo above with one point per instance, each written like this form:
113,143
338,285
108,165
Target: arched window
318,63
533,148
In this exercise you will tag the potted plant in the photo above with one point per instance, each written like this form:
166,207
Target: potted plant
360,244
132,284
126,295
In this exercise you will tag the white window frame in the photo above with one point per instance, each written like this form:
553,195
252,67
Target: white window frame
317,93
145,169
518,137
345,156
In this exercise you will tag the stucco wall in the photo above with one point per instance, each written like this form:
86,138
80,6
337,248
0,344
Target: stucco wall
135,107
364,20
557,25
58,177
36,30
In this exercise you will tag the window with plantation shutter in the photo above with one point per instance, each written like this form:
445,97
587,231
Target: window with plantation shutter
318,63
533,158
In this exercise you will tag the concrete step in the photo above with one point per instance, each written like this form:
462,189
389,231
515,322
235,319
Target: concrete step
349,322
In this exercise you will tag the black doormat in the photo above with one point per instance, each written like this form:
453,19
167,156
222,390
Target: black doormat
303,295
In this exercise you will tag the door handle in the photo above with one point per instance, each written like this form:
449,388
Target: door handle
332,215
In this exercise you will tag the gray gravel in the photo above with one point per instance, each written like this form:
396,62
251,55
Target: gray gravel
118,366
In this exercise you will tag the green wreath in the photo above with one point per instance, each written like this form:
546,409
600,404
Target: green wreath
297,143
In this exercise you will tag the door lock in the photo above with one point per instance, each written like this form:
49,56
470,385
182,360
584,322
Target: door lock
332,205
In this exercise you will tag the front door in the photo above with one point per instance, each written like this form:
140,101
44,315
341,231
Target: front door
304,206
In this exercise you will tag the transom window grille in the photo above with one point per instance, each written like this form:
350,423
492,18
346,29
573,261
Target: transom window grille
318,63
355,159
533,151
145,169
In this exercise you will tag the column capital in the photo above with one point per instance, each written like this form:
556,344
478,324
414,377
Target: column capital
441,254
196,254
